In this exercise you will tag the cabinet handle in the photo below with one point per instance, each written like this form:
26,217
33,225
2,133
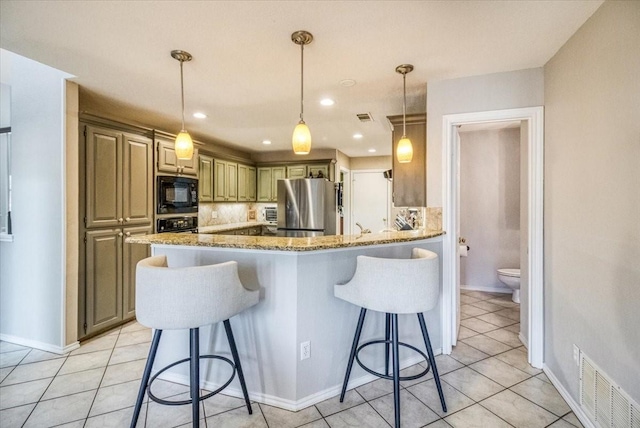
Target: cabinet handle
128,219
120,234
128,233
120,220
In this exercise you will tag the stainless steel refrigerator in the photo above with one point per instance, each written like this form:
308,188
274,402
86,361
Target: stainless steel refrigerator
306,207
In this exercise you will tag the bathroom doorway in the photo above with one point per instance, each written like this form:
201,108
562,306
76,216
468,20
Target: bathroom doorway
532,122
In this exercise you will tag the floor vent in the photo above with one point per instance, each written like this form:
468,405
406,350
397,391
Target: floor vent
604,402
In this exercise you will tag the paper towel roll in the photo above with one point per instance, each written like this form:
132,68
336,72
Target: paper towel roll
463,250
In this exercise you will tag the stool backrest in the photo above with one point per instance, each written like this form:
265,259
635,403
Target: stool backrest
401,286
188,297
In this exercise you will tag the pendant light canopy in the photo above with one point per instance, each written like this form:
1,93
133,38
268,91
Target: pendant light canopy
184,143
404,151
301,140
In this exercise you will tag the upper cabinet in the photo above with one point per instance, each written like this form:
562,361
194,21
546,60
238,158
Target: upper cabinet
225,181
205,181
297,171
119,178
168,161
410,179
268,182
246,183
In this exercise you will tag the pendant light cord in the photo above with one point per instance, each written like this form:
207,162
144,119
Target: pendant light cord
302,82
182,92
404,105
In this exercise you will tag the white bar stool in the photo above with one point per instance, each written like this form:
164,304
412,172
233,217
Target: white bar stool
394,286
189,298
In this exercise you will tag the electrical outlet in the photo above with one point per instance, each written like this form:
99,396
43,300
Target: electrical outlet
576,354
214,214
305,350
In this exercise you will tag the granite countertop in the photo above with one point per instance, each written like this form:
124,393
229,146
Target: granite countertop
282,243
233,226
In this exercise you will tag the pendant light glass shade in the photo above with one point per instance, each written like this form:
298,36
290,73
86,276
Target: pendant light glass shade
404,151
301,139
183,145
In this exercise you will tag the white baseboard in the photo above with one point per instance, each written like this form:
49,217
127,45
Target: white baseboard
487,289
523,340
39,345
292,405
568,398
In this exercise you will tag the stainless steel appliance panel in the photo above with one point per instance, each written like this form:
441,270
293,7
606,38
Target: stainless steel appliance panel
307,204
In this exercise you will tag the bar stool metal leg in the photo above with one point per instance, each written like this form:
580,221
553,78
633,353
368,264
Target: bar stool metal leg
145,376
387,331
432,360
236,361
396,367
354,347
194,341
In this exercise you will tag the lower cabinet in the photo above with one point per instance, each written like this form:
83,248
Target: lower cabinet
110,266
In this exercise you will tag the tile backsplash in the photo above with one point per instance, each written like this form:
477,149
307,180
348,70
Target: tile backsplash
228,213
434,218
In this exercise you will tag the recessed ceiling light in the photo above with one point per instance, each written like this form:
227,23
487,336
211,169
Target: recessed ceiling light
347,82
266,142
327,102
357,136
199,115
372,150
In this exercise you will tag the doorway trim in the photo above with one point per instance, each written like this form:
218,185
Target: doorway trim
450,177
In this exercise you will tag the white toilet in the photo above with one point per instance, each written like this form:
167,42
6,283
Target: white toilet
511,277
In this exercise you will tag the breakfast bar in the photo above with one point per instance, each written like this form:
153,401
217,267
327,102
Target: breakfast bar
295,277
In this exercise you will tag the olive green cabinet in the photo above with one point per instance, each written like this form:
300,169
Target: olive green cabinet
268,182
205,180
168,161
110,276
116,202
410,179
225,181
246,183
297,171
318,171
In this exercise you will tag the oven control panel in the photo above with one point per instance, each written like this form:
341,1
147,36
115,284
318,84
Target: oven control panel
177,224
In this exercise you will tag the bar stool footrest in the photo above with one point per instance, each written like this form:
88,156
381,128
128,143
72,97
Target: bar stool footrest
200,398
389,342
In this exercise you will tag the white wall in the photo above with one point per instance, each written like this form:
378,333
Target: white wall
524,230
32,278
489,205
592,199
515,89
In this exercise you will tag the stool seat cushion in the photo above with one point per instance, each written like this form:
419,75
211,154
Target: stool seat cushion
188,297
399,286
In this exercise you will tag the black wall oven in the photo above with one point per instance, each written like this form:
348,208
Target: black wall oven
177,195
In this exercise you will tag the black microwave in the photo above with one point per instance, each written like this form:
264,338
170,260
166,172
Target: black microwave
177,195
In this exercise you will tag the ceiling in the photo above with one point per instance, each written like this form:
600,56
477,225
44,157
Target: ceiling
245,74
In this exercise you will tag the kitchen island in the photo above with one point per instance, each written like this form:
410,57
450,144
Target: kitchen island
295,277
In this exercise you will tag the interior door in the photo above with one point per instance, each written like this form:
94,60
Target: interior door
370,201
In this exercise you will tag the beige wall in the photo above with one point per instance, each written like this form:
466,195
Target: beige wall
515,89
592,199
72,187
371,162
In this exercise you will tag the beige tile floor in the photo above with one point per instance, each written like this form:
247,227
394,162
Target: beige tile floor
487,383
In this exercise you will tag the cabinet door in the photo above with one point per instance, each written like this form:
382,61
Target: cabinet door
104,177
205,182
319,171
297,171
232,182
103,270
137,180
277,173
242,182
219,180
131,255
167,159
251,184
265,184
189,166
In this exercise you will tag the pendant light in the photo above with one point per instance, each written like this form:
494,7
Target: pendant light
301,139
404,151
184,144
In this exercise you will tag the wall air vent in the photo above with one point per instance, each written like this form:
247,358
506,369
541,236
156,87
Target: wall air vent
604,402
365,117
